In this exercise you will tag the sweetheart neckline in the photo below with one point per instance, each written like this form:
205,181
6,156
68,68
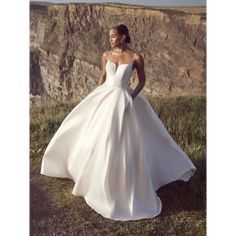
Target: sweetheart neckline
119,64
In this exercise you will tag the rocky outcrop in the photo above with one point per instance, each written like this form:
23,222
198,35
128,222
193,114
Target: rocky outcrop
67,41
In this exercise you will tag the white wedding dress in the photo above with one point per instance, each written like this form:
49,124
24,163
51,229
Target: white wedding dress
116,150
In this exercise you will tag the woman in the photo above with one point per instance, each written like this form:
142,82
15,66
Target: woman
119,37
113,145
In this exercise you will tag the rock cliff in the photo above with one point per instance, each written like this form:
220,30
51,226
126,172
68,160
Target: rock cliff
67,41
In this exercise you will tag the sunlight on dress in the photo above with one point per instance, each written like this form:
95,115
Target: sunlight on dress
116,150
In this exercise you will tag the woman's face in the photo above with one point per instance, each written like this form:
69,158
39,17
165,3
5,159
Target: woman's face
114,38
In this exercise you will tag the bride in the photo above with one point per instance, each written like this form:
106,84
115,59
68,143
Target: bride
113,145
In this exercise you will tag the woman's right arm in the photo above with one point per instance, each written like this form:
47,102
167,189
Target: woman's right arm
104,61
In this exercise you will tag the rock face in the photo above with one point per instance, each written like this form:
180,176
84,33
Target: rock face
67,41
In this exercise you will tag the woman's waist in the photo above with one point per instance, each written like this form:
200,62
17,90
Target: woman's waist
117,84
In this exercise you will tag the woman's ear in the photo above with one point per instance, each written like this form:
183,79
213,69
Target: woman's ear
123,38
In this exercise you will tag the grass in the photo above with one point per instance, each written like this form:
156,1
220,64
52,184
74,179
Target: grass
55,211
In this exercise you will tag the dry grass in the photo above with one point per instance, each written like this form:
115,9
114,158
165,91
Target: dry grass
55,211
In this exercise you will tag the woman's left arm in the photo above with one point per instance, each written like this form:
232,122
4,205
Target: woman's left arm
139,65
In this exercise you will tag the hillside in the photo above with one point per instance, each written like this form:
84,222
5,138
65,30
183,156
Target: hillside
67,41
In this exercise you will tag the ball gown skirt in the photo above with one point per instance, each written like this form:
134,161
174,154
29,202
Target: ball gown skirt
116,150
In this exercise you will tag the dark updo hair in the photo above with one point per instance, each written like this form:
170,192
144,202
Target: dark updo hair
122,29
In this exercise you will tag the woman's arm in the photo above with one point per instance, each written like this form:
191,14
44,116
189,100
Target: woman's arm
139,65
103,76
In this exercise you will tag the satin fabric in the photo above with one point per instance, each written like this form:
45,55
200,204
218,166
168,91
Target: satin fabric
116,150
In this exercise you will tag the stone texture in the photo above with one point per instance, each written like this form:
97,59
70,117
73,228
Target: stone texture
67,41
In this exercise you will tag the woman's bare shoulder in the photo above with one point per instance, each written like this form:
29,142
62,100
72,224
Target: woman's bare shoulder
138,56
135,53
105,54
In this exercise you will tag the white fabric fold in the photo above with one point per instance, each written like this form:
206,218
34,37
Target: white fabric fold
117,151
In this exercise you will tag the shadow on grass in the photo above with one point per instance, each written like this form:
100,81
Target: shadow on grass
45,215
70,215
188,196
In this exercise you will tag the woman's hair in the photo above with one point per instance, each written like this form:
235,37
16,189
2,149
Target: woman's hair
122,29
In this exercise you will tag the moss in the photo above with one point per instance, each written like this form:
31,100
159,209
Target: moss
51,37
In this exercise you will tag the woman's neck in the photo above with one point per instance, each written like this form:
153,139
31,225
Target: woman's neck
120,48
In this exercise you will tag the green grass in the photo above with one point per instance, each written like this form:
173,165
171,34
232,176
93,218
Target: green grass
55,211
